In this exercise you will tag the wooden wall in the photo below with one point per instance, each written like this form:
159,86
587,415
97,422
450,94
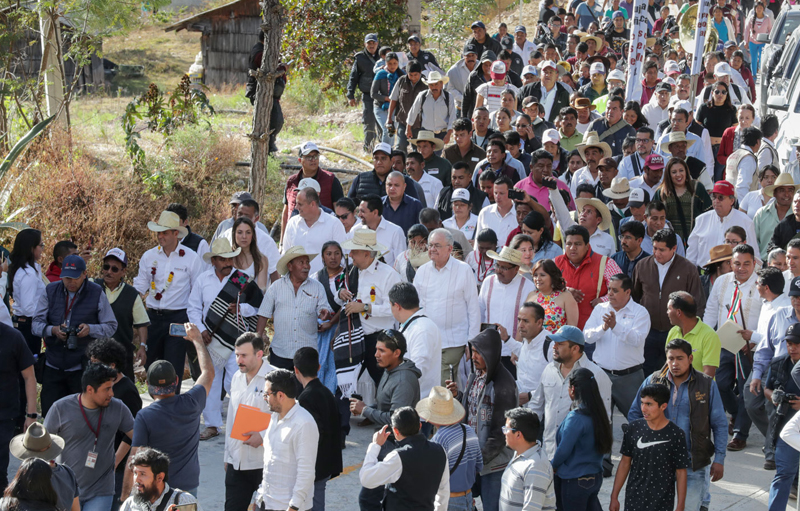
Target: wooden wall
226,49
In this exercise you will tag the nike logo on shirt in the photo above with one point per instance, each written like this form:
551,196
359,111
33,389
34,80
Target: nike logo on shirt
644,445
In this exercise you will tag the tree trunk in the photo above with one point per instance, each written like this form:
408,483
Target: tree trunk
272,25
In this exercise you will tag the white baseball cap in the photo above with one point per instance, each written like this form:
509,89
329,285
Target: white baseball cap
308,148
460,194
529,70
722,69
118,254
308,182
671,66
637,196
551,135
383,147
548,63
683,104
616,74
597,68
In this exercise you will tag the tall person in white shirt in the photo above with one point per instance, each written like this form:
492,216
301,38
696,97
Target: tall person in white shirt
501,297
244,459
431,186
312,227
534,354
449,294
208,286
26,284
290,448
501,217
167,274
391,236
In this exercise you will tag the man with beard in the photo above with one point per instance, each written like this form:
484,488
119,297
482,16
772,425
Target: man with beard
150,467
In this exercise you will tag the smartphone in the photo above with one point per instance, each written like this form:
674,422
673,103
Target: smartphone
177,330
516,194
550,183
186,507
488,326
357,396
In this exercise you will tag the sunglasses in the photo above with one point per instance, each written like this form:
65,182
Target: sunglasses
720,92
114,269
342,217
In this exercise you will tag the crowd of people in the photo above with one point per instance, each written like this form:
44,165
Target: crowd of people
532,250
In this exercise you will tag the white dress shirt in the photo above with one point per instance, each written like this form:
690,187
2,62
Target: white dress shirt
720,298
381,278
552,400
525,52
500,304
620,347
206,289
787,278
450,298
290,458
709,231
376,473
662,270
654,114
502,225
583,175
390,236
237,454
601,241
459,77
28,287
431,187
531,363
266,245
639,182
469,228
424,348
186,268
767,311
311,238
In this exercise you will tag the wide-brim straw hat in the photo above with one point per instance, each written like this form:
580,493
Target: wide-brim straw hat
419,259
428,136
602,208
593,140
168,221
434,77
507,255
289,255
364,239
720,253
676,136
221,248
440,408
36,442
784,179
596,40
619,189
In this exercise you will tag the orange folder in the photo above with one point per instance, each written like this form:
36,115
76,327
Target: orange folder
248,418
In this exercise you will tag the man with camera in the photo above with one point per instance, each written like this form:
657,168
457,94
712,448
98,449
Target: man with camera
70,314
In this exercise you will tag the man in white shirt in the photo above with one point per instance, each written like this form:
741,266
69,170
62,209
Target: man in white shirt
501,217
632,166
266,245
433,110
709,228
461,201
391,236
430,185
290,448
652,174
656,110
459,74
534,354
592,151
167,274
522,46
551,398
244,459
619,327
447,290
311,227
679,121
768,154
593,215
501,296
207,287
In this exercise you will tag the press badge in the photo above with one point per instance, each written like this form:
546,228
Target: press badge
91,459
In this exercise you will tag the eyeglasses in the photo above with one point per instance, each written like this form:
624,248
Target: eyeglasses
437,246
503,268
114,269
642,140
623,237
732,242
523,126
311,157
342,217
506,430
720,92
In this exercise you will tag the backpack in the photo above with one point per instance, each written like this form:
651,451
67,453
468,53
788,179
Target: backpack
418,123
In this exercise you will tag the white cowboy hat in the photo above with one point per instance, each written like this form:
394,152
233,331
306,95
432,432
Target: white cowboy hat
289,255
676,136
364,239
168,221
428,136
36,442
221,248
592,139
619,188
507,255
435,77
784,179
598,204
440,408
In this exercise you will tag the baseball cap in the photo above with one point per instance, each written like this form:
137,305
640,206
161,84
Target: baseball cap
488,56
161,378
460,194
383,147
520,28
722,69
566,333
478,24
669,81
498,71
118,254
239,197
548,63
794,290
616,74
730,43
551,136
638,198
663,87
654,161
308,148
723,188
684,105
530,101
308,182
469,48
617,14
415,38
597,68
529,70
608,163
371,37
671,66
73,267
793,332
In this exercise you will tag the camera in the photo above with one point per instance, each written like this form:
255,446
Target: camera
782,401
390,129
72,337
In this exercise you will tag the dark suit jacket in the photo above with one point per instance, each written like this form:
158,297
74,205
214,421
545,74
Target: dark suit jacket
320,403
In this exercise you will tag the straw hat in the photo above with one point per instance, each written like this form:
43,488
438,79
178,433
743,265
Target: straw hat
168,221
428,136
418,259
720,253
507,255
596,40
598,204
784,179
676,136
435,77
619,189
592,139
440,408
581,103
364,239
289,255
221,248
36,442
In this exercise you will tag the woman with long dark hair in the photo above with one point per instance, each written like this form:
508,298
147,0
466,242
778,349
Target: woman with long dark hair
716,115
583,438
31,489
560,308
543,246
685,198
250,261
25,284
633,115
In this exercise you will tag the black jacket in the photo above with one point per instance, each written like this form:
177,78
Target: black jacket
476,79
423,57
361,74
488,44
535,90
787,229
320,403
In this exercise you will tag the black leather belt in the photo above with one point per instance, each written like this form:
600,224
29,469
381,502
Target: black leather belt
165,312
624,372
21,319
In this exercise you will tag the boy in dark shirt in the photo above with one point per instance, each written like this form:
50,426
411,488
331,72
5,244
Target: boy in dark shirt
654,453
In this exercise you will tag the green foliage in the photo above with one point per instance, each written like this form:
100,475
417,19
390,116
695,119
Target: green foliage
21,145
448,22
322,36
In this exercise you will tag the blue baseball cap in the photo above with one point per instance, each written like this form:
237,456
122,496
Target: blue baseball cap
478,24
371,37
73,267
520,28
617,14
567,333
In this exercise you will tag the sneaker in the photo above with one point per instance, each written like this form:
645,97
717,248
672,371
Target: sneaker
769,465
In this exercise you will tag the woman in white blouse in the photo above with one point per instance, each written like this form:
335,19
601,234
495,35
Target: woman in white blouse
756,199
250,261
25,284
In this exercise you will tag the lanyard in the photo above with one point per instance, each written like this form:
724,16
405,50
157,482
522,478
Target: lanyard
68,307
99,423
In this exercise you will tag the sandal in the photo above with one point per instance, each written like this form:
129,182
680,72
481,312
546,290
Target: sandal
209,433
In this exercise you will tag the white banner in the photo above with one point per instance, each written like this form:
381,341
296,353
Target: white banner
636,51
700,32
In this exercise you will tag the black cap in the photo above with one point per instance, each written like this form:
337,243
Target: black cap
663,87
469,48
161,378
793,333
794,289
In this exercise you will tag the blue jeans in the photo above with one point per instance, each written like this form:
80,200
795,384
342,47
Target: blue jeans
99,503
490,490
755,56
381,116
462,503
578,494
402,139
696,487
319,494
786,459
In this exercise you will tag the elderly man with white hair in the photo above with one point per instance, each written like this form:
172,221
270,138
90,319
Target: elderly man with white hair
449,294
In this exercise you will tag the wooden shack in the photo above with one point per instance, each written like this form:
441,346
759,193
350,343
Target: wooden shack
228,33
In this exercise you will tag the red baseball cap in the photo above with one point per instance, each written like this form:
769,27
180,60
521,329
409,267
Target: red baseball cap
723,188
654,161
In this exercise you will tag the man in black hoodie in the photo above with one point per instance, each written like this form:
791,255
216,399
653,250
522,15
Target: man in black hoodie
490,392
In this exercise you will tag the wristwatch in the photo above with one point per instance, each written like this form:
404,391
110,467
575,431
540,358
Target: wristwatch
366,307
33,415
